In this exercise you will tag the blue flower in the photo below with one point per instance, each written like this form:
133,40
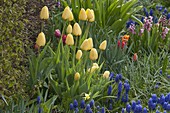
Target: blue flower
92,103
165,105
120,76
110,107
76,110
120,87
71,106
142,19
154,98
168,107
138,102
125,98
162,99
102,110
39,110
145,110
160,72
38,100
133,105
117,78
157,111
109,90
82,104
75,104
151,12
88,109
123,110
165,10
111,76
129,23
128,108
165,111
98,107
168,16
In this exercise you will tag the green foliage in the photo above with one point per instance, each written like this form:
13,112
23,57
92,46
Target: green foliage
13,45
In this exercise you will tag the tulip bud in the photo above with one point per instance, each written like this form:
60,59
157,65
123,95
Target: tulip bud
90,43
91,70
103,45
77,30
82,14
84,45
135,57
95,64
44,14
70,40
64,38
66,13
106,74
89,14
41,39
93,54
77,76
123,44
92,19
57,33
71,16
69,29
78,54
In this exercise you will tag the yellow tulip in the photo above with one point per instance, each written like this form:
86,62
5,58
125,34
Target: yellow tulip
41,39
44,14
66,13
69,29
89,14
103,45
106,74
77,76
84,45
93,54
78,54
70,40
95,64
90,43
71,16
77,30
82,14
93,18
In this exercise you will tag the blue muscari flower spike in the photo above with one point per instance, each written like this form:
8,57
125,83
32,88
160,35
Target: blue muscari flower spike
76,110
111,76
102,110
117,78
156,86
156,20
82,104
123,110
154,98
98,107
138,102
144,10
157,111
109,90
160,72
165,105
140,108
160,8
142,19
147,14
128,108
38,100
71,106
165,10
125,98
165,111
168,107
168,16
120,76
39,110
75,104
151,12
92,103
133,105
88,109
120,87
110,107
129,23
145,110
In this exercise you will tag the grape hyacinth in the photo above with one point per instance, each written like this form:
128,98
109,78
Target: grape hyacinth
148,23
164,32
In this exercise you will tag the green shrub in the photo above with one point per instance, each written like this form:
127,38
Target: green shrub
13,45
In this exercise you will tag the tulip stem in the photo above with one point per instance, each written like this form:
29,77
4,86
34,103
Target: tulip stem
100,57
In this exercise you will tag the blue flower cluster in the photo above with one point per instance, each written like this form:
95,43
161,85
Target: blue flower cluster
39,102
86,108
163,101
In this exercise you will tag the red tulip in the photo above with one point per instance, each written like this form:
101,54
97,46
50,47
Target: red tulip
135,57
123,44
64,38
118,43
57,33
